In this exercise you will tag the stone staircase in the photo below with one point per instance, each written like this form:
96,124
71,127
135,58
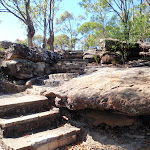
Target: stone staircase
69,66
30,122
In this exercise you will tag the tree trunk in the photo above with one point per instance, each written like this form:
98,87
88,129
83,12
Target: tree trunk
29,23
30,44
31,32
45,25
44,38
50,41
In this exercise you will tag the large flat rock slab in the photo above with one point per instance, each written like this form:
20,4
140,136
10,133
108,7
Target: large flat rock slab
47,140
125,90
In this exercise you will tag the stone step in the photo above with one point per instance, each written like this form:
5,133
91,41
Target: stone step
69,66
18,126
47,140
21,103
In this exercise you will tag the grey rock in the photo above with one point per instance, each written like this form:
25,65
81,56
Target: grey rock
5,44
52,80
19,68
34,54
108,57
131,49
90,55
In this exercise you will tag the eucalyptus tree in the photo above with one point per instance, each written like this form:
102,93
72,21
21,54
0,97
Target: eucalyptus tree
69,24
141,23
23,10
61,42
120,8
98,11
47,9
90,32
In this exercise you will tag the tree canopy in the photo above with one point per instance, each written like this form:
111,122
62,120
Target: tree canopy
126,20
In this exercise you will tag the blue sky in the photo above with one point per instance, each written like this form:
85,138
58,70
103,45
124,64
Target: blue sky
11,28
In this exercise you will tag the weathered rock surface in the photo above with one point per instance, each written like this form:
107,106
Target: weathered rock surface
108,57
125,90
51,80
20,68
96,118
108,44
72,55
90,55
33,54
2,54
145,53
68,66
132,49
75,54
7,88
59,79
5,44
144,46
138,63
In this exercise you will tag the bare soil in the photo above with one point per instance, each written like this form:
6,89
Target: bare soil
105,137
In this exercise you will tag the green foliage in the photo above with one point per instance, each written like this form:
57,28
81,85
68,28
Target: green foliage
68,24
127,21
37,41
61,42
90,41
89,27
24,42
97,59
140,25
113,61
65,16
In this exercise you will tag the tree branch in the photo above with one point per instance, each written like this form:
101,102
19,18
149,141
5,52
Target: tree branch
114,9
148,2
10,11
20,11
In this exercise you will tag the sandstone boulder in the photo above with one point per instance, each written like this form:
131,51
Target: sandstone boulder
131,50
91,55
19,68
145,53
123,90
33,54
108,57
108,44
72,55
144,46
